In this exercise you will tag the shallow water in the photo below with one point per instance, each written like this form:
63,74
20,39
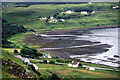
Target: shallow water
96,46
105,36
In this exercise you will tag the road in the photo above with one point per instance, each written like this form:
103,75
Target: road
82,65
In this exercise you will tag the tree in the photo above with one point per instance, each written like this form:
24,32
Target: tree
54,77
15,51
44,61
80,65
52,62
27,51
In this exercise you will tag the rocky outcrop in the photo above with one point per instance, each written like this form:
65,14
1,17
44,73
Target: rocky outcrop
16,70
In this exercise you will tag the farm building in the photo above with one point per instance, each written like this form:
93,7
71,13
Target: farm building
52,21
35,66
84,12
33,32
61,20
47,56
51,17
91,68
73,64
26,60
115,7
69,12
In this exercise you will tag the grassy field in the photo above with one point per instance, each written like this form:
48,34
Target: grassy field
28,16
61,71
65,71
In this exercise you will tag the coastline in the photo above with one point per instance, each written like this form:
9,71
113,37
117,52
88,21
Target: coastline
80,29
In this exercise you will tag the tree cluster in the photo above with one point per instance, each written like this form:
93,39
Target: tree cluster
30,52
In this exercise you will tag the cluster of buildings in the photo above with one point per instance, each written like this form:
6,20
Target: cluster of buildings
26,61
115,7
52,19
70,12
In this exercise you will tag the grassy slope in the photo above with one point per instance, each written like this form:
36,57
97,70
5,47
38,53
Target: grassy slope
41,26
65,71
17,14
24,14
5,72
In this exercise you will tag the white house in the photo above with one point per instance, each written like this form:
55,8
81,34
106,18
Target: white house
73,64
35,66
33,32
52,21
26,60
84,12
89,3
69,12
61,20
51,17
91,68
115,7
46,56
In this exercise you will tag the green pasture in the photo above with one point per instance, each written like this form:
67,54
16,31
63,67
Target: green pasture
65,71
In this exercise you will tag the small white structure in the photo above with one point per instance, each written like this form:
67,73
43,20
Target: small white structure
52,21
89,3
92,68
48,61
35,66
115,7
29,63
69,12
33,32
43,18
73,64
51,17
37,34
62,20
46,56
26,60
93,12
84,12
18,56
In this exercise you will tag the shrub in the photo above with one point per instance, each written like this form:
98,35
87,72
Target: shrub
52,62
44,61
54,77
60,60
15,51
80,65
27,51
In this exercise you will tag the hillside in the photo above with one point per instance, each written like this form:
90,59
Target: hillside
21,19
29,16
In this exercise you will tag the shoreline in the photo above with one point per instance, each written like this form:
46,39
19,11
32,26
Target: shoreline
80,29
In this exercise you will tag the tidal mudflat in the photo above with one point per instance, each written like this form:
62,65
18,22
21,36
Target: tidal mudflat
97,46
